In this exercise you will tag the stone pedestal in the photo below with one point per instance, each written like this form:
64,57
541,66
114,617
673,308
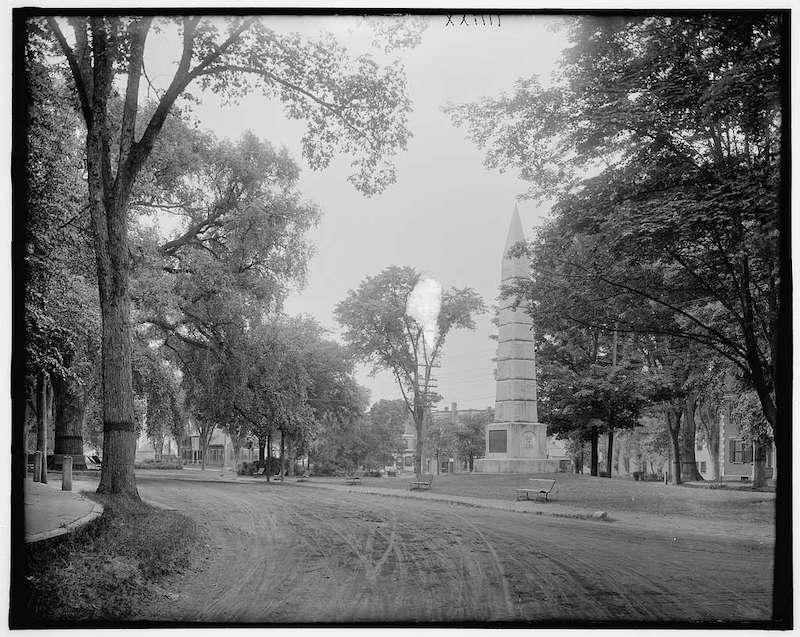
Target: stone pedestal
516,447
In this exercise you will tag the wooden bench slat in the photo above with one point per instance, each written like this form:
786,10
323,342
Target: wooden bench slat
424,483
539,491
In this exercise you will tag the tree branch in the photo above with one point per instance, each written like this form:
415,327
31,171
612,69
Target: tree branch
81,82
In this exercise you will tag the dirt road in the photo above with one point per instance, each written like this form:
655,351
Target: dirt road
284,553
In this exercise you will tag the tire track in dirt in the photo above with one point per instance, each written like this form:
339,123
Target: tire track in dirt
283,554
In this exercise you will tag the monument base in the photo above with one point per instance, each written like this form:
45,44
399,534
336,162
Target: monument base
516,465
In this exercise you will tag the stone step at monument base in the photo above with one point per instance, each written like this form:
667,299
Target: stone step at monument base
517,465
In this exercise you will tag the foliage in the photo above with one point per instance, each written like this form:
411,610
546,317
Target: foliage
386,424
753,426
470,434
351,106
61,305
156,381
379,331
582,390
664,175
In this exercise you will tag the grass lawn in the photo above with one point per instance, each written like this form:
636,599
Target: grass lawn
613,494
108,569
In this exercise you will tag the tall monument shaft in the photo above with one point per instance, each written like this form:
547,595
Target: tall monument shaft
515,394
515,442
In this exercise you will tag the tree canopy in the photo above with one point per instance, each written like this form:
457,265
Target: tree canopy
351,105
379,331
659,146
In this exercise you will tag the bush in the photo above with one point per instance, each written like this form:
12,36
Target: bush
151,463
328,468
247,468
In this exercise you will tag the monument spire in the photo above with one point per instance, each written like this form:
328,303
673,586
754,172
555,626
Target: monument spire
515,442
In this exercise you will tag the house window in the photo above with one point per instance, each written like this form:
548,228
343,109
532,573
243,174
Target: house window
702,466
407,461
741,452
498,441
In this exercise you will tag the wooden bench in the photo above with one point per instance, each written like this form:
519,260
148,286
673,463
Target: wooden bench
352,480
540,488
424,482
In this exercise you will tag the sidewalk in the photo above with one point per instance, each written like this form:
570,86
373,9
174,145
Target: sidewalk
50,512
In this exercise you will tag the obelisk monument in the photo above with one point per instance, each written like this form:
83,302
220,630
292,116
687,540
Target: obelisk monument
515,442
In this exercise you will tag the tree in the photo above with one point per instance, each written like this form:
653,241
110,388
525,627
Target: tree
756,430
681,218
379,330
61,306
156,381
710,407
470,435
354,107
386,420
439,439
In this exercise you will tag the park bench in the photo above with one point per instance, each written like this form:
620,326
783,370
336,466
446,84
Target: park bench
540,488
352,480
424,482
303,478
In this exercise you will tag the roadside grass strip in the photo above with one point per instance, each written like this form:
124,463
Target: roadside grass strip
110,568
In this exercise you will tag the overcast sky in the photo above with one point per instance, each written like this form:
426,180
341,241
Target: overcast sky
447,215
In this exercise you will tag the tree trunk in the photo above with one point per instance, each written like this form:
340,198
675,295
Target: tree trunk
626,457
158,447
610,453
292,456
593,461
689,470
268,466
282,470
674,425
713,447
419,415
111,247
69,411
262,445
41,424
119,427
759,465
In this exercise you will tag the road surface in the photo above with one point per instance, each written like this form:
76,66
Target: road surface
286,553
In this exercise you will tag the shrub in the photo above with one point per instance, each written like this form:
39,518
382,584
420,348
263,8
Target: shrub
151,463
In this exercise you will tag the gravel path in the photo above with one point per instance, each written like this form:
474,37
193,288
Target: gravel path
281,553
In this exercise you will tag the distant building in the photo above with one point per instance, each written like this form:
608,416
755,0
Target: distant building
735,453
220,449
449,464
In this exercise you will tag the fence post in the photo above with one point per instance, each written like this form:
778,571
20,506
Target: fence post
37,466
66,475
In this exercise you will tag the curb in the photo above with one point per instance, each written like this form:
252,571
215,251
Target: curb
96,512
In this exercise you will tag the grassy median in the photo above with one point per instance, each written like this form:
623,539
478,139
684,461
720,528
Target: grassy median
111,568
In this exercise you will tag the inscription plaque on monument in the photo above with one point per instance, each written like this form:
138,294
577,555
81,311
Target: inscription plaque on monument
498,441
